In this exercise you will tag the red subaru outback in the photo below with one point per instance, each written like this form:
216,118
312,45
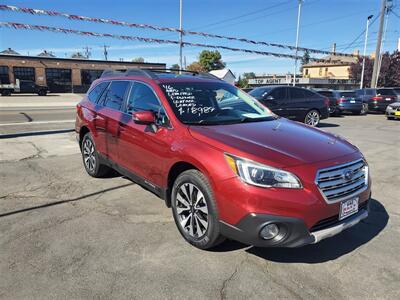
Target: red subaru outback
226,165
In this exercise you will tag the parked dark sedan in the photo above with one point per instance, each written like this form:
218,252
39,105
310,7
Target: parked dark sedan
344,101
294,103
377,99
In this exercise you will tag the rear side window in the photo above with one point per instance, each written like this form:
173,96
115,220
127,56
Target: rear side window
259,92
296,93
97,91
115,94
278,93
386,92
309,94
142,98
326,93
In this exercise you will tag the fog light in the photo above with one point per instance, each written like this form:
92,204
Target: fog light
269,231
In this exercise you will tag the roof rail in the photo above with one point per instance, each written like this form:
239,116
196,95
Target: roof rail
152,73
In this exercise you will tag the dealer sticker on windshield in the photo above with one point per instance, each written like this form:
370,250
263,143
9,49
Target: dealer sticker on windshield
348,208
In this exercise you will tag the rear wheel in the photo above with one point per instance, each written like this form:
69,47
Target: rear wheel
6,93
91,159
194,209
312,118
42,93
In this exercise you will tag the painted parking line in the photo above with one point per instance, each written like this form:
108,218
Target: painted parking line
38,122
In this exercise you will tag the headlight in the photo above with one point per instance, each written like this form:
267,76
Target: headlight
261,175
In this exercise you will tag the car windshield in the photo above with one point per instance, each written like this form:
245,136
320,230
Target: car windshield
212,103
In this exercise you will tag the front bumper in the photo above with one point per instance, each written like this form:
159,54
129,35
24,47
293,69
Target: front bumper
294,230
391,112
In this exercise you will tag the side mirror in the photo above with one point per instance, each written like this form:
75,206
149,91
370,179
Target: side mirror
144,117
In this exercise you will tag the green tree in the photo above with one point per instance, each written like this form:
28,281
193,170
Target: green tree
196,67
138,60
242,82
249,75
175,67
211,60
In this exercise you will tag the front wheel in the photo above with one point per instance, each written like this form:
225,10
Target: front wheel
194,210
312,118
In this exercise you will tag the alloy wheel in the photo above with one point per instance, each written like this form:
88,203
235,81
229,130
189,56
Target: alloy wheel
192,210
312,118
89,155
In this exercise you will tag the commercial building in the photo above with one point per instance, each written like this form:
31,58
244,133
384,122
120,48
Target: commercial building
60,74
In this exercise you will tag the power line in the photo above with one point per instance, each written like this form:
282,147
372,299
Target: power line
147,26
146,40
361,34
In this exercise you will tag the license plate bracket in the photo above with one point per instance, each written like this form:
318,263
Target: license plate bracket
348,207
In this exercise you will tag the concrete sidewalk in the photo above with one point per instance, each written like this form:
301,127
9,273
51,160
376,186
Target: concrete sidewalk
32,100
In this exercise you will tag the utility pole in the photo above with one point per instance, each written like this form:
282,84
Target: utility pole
389,5
180,35
105,51
378,44
297,42
365,52
87,51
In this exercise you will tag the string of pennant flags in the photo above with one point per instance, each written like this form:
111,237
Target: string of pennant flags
148,40
158,28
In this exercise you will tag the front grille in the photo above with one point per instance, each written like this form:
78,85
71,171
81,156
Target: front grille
332,221
343,181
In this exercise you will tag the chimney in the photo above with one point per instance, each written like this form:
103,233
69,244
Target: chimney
334,48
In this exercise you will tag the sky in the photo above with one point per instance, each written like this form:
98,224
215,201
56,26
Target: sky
323,22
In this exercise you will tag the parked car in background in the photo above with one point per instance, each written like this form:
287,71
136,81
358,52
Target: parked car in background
294,103
28,86
23,86
224,163
377,99
332,100
393,111
345,101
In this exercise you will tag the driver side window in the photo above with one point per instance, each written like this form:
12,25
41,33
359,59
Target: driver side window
278,94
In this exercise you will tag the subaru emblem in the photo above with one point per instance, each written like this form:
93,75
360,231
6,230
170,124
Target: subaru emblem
348,174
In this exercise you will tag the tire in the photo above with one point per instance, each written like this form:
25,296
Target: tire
91,159
195,211
390,118
42,93
312,118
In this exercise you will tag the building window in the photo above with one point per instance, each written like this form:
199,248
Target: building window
4,77
88,76
59,80
24,73
320,72
306,72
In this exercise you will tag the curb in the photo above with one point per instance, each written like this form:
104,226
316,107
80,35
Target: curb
34,133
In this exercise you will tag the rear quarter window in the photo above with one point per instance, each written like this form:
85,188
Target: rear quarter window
95,94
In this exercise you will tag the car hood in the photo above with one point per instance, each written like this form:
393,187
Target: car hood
280,143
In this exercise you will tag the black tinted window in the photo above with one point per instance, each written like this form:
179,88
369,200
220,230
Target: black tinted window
142,98
296,93
259,92
326,93
386,92
347,94
278,93
115,94
309,94
96,92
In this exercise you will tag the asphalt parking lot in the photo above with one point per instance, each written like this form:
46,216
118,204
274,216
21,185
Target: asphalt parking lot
64,235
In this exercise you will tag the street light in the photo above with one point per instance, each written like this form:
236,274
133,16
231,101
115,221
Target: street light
365,51
297,41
